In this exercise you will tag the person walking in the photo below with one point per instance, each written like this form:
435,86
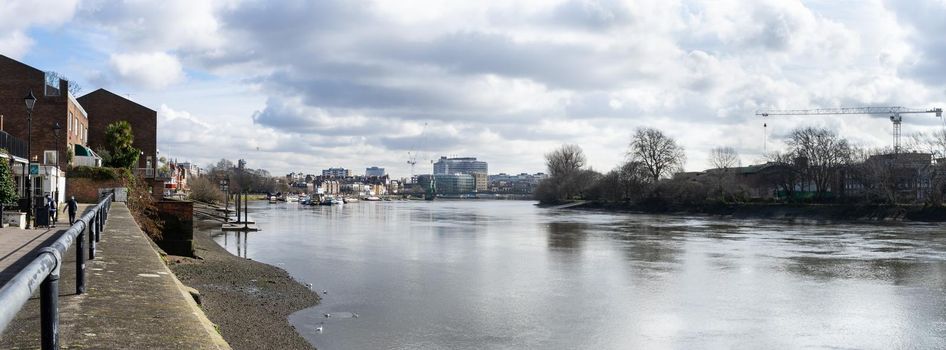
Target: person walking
72,206
51,204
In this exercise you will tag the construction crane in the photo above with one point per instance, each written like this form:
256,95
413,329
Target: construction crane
894,112
412,154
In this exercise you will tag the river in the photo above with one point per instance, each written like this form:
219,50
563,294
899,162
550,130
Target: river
509,275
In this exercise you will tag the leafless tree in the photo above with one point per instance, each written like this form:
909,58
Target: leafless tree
566,176
933,143
565,161
658,153
823,153
724,157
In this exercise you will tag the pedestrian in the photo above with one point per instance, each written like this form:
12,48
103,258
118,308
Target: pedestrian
72,206
51,204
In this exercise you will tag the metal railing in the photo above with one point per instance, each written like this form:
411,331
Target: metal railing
13,144
43,273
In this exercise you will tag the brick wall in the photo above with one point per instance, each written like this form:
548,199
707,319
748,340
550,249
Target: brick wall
16,81
87,190
178,231
105,107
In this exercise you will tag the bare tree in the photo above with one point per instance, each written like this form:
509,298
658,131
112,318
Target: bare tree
822,153
658,153
724,157
565,161
566,177
933,143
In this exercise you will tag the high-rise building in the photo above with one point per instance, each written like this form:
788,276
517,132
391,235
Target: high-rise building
336,172
460,165
374,171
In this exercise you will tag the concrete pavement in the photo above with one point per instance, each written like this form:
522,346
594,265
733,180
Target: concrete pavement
133,301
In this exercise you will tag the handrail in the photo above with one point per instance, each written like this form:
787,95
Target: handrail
43,273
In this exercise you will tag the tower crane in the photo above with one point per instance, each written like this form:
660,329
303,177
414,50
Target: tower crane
894,112
412,154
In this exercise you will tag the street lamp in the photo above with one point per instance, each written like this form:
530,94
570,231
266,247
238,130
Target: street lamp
56,129
30,101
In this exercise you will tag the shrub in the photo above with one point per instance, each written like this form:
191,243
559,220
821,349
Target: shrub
203,190
88,172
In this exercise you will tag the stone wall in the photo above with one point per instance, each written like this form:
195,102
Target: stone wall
87,190
178,232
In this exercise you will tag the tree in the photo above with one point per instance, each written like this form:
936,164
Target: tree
7,187
204,190
118,140
565,161
566,178
659,154
823,152
724,157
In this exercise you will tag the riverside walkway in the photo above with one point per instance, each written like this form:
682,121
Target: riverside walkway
132,300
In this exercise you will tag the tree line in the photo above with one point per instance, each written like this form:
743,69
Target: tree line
817,166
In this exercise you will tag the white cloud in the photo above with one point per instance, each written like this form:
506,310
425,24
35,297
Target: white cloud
351,83
16,16
154,70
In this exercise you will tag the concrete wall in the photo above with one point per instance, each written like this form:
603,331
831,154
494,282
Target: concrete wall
178,232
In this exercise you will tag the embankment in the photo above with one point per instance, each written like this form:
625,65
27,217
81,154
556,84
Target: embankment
249,301
850,212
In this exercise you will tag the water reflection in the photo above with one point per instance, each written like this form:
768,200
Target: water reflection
567,236
508,275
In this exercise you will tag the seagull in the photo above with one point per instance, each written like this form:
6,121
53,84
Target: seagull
327,315
354,315
308,285
324,291
319,328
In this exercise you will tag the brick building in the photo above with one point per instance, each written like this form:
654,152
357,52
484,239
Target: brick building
106,107
54,105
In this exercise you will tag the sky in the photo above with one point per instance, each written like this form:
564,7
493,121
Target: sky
299,86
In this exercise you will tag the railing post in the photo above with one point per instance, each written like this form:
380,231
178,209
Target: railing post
93,227
49,304
101,222
80,260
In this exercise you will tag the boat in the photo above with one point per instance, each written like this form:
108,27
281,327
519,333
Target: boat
351,200
292,198
330,200
372,199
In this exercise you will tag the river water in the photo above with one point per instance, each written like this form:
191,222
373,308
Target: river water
509,275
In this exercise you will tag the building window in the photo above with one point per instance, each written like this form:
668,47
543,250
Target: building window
49,157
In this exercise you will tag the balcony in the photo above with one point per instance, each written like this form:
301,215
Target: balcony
13,145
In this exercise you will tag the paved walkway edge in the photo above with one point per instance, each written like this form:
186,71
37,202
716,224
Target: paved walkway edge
209,326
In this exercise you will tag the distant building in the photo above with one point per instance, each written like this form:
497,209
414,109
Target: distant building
480,183
336,172
461,165
374,171
520,184
449,184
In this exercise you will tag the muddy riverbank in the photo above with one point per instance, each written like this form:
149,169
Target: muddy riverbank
248,300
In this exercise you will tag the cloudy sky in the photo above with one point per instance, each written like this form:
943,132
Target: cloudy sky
304,85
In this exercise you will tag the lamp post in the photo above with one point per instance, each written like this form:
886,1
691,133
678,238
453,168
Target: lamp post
56,129
30,101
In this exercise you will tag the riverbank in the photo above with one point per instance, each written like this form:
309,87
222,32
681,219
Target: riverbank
249,301
845,212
